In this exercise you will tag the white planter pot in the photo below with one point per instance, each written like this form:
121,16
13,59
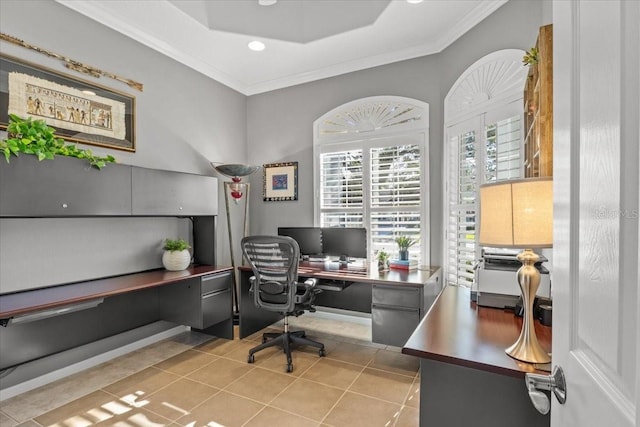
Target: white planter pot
176,260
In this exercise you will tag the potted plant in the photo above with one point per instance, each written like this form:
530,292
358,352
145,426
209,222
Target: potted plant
29,136
404,243
176,254
383,260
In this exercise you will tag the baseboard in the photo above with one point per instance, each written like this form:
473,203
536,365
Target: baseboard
43,371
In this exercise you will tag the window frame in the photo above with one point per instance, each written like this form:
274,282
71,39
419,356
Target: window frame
408,132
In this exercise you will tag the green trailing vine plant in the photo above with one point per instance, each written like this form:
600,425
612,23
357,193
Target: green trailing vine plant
31,136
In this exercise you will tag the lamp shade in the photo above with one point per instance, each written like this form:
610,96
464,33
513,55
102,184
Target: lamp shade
517,214
234,170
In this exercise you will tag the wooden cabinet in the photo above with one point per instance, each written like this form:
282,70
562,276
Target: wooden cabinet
538,109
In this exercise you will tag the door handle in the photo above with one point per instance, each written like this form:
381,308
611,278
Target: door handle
554,382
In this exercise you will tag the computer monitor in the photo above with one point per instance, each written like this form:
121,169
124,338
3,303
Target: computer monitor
309,239
345,243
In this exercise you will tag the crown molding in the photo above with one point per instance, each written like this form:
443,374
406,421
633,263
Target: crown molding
117,16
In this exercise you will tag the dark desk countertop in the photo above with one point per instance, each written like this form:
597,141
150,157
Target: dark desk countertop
363,274
17,303
457,331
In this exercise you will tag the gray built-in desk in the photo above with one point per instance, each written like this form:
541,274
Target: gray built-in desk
466,378
396,299
40,322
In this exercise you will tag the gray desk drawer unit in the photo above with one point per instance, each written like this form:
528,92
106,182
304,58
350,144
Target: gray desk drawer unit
395,313
199,302
396,310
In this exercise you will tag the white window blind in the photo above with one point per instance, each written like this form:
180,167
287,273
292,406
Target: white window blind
479,152
341,189
379,188
395,196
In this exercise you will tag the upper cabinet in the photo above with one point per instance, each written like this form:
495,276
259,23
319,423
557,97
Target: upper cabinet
69,187
538,107
158,193
63,187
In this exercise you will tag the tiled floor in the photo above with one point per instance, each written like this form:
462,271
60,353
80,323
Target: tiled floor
192,380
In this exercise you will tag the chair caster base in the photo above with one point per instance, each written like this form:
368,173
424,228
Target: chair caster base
289,368
251,358
321,352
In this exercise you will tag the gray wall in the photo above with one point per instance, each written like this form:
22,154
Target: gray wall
279,123
183,121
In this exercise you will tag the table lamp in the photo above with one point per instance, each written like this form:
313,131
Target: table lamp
519,214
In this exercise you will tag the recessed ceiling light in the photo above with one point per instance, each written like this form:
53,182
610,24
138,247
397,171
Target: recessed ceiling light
267,2
256,45
414,1
89,92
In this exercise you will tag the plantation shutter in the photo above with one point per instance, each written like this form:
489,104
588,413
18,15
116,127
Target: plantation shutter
395,195
478,153
341,189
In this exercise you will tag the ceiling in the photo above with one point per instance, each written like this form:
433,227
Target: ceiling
305,40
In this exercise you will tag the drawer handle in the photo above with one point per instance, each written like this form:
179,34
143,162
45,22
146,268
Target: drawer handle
214,293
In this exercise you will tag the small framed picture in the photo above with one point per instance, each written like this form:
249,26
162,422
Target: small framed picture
280,182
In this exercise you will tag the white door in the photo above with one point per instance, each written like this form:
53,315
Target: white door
596,295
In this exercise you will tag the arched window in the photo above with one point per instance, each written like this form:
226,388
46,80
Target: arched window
371,170
483,143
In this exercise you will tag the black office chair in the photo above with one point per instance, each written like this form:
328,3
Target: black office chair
274,261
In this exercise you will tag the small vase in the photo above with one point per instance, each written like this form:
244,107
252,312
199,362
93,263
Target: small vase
176,260
383,265
404,254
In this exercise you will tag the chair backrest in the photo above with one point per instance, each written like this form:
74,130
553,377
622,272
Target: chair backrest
274,261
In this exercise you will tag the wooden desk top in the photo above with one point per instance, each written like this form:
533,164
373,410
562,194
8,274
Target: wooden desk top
361,273
458,332
45,298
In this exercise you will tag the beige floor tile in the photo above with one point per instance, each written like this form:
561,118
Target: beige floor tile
139,386
278,361
413,399
178,398
7,421
186,362
355,410
137,417
271,417
409,417
88,410
224,409
383,385
396,362
240,351
353,353
219,346
221,372
307,398
260,384
333,373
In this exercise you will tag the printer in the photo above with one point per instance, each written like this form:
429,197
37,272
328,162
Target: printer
497,281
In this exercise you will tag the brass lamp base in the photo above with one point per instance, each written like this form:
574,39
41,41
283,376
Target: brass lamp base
527,348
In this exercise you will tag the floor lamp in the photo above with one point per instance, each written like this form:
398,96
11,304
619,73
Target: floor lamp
519,214
236,189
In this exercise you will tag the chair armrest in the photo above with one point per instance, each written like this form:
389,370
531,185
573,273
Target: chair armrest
309,287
